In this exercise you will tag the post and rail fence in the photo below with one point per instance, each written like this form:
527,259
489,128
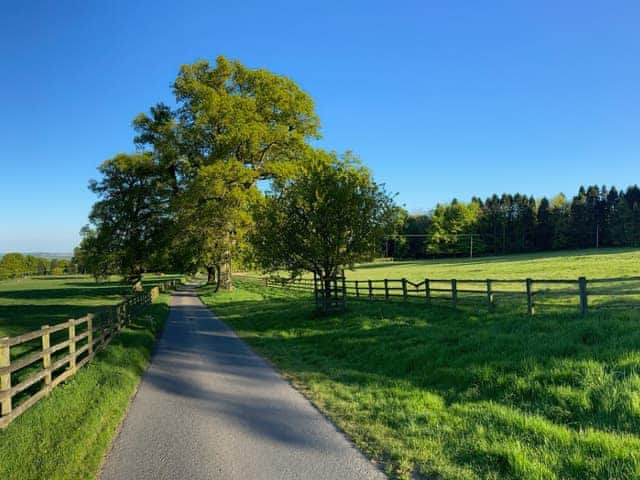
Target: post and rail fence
535,291
22,384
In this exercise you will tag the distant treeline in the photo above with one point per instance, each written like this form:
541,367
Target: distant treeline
19,265
595,217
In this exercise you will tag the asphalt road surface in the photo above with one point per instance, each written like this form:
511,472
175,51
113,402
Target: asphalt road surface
210,408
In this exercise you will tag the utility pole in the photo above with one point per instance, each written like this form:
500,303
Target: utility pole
471,247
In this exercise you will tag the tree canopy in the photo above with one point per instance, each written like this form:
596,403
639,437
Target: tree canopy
19,265
328,217
131,218
232,127
186,199
514,223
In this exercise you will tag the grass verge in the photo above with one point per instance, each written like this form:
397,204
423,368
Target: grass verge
459,394
66,435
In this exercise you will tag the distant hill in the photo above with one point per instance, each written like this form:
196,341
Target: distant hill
49,255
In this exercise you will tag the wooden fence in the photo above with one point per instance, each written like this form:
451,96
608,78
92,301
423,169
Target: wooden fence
572,293
63,349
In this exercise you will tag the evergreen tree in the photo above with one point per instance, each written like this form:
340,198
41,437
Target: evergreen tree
544,226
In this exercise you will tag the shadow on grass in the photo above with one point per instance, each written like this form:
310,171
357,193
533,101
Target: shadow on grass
61,293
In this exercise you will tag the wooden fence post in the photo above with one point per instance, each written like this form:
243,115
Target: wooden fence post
582,283
344,291
530,305
404,289
104,332
5,378
72,345
386,290
90,330
108,321
370,291
490,295
427,290
454,293
357,290
46,358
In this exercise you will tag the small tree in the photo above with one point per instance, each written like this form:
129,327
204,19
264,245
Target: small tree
330,216
447,223
94,255
13,265
43,266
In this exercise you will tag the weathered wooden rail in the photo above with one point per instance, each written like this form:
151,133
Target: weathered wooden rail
62,349
453,290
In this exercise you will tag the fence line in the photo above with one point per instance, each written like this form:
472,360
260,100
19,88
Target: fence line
452,290
82,338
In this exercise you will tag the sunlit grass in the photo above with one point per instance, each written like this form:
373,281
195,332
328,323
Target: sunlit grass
593,263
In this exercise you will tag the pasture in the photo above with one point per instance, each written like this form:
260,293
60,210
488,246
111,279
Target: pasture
463,394
606,262
28,303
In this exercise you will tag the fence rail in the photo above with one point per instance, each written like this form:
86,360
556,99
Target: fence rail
63,349
534,291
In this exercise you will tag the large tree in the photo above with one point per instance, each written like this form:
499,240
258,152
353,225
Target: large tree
330,216
212,220
243,125
131,218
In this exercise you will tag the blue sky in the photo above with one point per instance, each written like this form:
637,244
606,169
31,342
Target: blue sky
441,99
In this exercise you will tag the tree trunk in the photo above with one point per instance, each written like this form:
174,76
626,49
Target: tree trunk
211,274
136,280
218,277
327,292
226,282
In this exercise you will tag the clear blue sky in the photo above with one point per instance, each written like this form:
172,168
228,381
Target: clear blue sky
441,99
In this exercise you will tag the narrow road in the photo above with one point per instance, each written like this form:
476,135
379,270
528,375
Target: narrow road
210,408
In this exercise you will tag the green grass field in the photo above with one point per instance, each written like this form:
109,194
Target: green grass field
589,263
27,304
464,394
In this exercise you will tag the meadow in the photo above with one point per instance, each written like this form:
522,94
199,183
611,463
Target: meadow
592,263
463,394
28,303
